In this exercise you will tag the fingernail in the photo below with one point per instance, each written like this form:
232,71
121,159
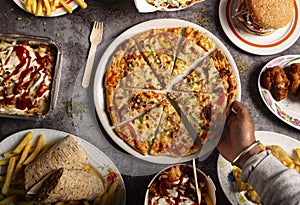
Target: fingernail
235,112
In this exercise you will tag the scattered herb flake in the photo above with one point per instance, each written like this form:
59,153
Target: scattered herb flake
242,66
75,109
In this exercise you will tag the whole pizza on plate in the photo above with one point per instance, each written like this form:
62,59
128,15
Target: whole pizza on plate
167,89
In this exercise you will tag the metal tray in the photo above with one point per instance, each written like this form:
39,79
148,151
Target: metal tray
57,54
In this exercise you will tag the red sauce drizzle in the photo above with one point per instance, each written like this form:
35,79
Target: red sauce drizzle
183,189
13,88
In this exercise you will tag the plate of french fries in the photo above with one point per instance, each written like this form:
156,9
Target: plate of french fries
284,148
50,8
22,148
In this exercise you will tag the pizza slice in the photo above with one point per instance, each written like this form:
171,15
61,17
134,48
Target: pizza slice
198,79
158,47
140,132
128,69
227,76
194,45
124,104
172,137
202,111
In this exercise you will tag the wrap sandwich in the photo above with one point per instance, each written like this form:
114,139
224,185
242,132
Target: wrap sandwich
66,185
66,153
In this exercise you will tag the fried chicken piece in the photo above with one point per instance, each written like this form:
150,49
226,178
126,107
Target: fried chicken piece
276,80
293,73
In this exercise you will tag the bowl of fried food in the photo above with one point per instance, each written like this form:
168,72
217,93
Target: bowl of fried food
177,183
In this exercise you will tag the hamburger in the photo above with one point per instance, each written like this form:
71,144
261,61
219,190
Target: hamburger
263,17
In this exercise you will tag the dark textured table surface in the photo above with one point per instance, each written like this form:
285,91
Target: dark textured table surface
72,34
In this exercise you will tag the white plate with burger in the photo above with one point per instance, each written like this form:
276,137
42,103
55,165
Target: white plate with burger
269,34
225,168
286,107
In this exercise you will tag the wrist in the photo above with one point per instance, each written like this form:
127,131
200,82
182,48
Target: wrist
246,153
242,160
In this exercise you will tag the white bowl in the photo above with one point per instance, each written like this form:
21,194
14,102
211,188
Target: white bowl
211,186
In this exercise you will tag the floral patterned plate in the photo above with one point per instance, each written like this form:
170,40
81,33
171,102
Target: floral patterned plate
225,168
287,109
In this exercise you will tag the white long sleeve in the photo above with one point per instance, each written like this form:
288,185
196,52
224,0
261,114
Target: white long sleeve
275,183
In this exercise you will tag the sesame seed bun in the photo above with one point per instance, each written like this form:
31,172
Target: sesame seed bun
271,13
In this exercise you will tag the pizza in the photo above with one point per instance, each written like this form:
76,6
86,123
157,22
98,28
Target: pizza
159,48
168,91
172,137
124,104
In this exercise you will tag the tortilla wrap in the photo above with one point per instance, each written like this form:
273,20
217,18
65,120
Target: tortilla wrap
67,153
64,185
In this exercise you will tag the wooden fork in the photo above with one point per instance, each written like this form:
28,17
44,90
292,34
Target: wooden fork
95,39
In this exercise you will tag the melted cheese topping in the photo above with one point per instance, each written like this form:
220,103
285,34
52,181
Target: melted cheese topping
25,78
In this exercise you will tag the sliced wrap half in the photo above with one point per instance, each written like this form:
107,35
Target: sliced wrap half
67,185
66,153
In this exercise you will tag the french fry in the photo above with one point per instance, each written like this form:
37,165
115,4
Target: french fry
9,200
119,196
208,199
59,203
53,7
297,169
81,3
4,161
39,9
9,154
36,151
8,177
21,160
34,6
30,2
66,6
56,2
297,150
23,143
48,7
2,178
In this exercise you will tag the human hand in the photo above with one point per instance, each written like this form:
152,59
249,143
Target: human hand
238,133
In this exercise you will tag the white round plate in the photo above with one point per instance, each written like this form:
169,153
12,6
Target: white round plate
287,109
99,90
59,9
225,168
276,42
96,157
